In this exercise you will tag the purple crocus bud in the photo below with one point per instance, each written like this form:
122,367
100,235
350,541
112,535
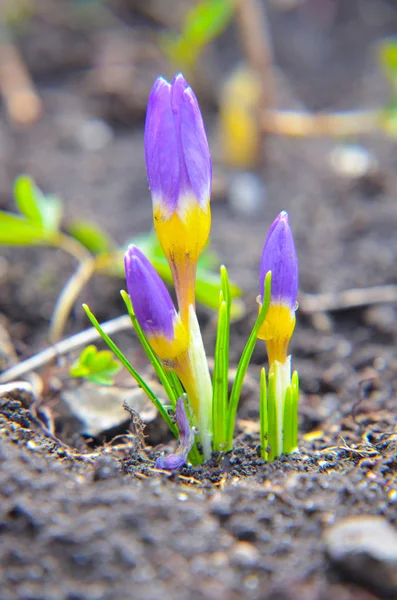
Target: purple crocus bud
173,462
153,306
179,169
177,155
279,257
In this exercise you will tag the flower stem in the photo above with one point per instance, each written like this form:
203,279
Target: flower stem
264,421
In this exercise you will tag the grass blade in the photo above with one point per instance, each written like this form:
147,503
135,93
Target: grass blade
168,379
288,422
124,361
244,362
221,365
220,381
294,409
272,417
263,417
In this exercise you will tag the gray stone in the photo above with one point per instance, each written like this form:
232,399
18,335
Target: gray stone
247,194
98,409
365,549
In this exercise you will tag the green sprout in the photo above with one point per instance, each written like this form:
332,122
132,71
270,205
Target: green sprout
203,23
96,366
224,409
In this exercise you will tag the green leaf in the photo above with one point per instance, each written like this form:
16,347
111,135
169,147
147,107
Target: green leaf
388,59
206,21
388,118
25,199
44,211
91,236
221,366
288,423
88,355
203,23
244,361
95,366
263,415
294,409
272,416
100,379
17,231
124,361
207,293
220,380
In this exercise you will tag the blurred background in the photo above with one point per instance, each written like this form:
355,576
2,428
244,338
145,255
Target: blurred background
298,102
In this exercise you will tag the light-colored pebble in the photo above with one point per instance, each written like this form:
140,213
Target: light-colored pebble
365,548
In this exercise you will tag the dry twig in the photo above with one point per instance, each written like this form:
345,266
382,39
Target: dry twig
354,298
305,124
64,347
22,102
256,43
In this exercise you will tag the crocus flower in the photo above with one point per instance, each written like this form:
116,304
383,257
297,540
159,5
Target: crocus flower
178,164
173,462
153,306
279,257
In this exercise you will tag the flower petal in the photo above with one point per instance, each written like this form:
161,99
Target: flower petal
150,299
173,462
279,257
161,147
196,153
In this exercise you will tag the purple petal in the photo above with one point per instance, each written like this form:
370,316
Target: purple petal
173,462
186,434
161,148
279,257
178,87
178,159
196,152
150,299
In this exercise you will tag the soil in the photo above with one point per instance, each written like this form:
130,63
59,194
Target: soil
92,520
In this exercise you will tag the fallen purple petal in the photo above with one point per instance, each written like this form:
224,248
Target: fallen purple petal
176,461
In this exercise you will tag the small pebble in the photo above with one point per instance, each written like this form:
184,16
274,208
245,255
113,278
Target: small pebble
352,162
247,194
365,548
94,135
381,318
245,554
32,446
93,410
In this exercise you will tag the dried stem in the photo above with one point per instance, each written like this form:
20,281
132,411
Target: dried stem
305,124
255,39
64,347
72,289
68,297
256,43
311,303
22,102
72,247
